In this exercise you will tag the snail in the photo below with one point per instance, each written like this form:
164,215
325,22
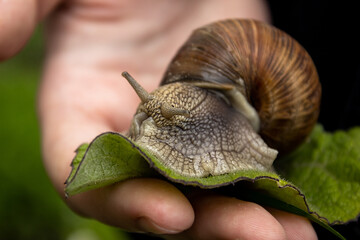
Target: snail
236,94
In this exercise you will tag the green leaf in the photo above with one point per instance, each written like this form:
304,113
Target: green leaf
323,175
327,170
266,200
109,158
80,152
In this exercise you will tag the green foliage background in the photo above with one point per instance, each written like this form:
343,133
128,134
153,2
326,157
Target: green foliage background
29,206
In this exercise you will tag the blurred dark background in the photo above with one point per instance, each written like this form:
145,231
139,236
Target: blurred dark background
329,31
30,208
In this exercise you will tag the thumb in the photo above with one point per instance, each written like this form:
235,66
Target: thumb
18,18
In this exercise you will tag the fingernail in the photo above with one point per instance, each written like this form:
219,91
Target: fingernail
145,224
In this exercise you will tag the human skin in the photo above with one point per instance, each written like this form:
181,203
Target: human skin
82,94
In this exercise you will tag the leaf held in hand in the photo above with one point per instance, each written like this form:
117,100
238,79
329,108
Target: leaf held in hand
323,175
109,158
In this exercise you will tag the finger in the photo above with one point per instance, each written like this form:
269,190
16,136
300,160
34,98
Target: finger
18,19
296,227
141,205
219,217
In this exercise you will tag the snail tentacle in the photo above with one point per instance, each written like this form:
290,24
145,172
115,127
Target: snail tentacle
140,91
168,111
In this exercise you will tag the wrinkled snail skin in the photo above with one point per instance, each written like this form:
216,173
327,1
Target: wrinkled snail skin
236,93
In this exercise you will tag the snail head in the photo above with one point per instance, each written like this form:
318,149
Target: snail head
163,111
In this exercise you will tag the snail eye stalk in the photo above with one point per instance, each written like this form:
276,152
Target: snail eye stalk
140,91
168,111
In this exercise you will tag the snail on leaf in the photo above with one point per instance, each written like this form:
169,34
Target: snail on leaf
236,96
237,93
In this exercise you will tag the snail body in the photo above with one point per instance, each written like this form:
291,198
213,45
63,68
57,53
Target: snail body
236,93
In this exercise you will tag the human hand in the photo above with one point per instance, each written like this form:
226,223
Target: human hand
89,44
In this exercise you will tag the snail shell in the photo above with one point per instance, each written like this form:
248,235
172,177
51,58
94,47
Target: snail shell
236,93
274,72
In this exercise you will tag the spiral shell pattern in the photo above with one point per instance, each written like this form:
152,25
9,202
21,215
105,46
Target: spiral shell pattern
270,68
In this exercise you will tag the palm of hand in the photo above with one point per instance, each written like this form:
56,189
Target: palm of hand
89,44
